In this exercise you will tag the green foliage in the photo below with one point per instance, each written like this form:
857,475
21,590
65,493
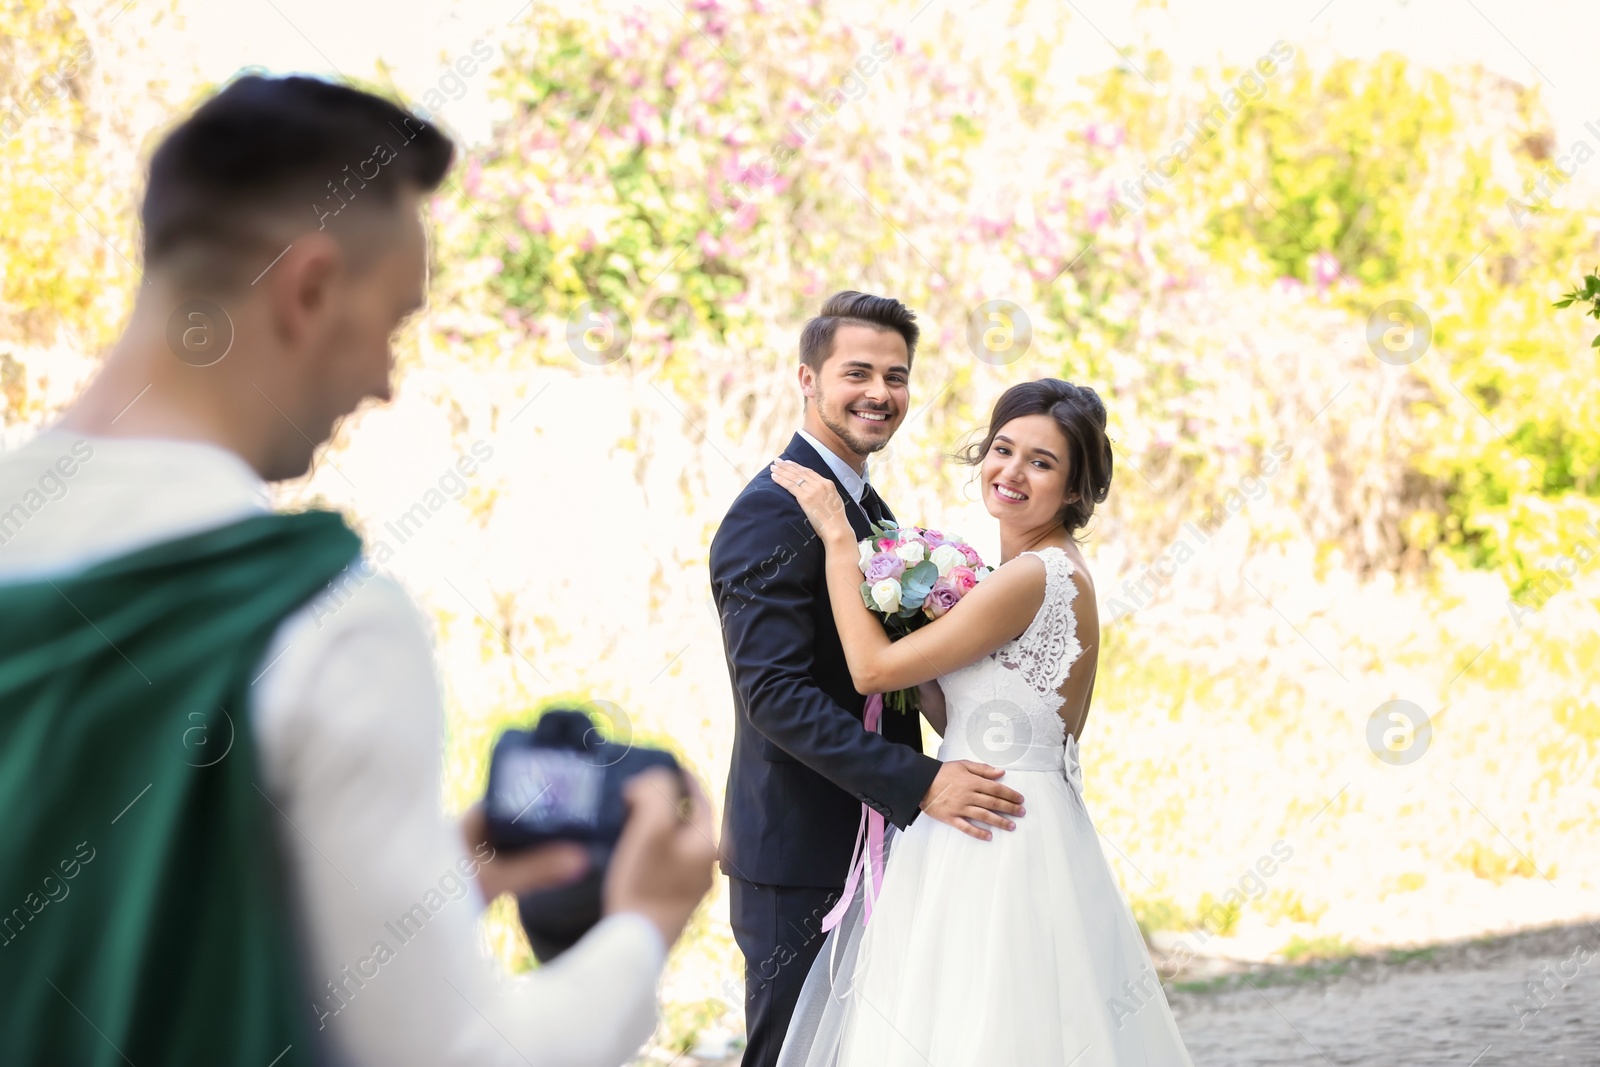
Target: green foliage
1154,913
1371,181
1587,293
1221,917
1316,948
643,169
1344,155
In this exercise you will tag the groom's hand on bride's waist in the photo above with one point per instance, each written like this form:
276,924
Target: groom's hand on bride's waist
966,793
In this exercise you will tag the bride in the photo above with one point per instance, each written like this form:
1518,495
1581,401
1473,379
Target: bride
1017,950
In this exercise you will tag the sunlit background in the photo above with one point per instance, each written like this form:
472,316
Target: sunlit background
1307,252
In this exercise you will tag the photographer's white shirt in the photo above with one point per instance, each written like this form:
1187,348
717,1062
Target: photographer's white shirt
348,717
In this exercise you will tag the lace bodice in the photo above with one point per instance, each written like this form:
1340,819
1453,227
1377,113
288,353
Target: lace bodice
1004,709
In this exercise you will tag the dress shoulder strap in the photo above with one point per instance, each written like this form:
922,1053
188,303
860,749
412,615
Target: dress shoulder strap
1049,647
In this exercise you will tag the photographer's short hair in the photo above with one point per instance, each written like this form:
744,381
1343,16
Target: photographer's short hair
268,158
850,308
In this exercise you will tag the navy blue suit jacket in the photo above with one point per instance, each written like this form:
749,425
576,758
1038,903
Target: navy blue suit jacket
802,762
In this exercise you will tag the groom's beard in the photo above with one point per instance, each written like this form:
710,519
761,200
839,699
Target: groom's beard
841,422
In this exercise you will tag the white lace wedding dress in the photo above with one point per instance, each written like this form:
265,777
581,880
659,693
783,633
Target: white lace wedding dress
1015,952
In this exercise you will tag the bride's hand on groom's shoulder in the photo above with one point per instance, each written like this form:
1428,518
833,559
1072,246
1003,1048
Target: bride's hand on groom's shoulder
818,496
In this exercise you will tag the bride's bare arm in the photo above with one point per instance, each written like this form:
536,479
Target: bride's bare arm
997,610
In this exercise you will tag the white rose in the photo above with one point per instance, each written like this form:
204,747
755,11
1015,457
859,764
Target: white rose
867,552
946,556
886,594
910,551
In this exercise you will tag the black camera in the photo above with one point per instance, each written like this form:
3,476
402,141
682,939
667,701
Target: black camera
562,781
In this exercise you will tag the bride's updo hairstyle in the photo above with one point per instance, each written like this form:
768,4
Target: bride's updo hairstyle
1081,415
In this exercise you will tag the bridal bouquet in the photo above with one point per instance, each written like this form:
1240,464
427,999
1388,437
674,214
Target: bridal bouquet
913,576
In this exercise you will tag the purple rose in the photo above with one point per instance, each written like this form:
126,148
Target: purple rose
884,565
941,598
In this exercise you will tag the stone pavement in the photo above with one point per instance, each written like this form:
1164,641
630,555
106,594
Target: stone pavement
1465,1005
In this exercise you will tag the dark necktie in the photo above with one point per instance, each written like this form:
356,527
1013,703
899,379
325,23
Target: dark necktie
872,504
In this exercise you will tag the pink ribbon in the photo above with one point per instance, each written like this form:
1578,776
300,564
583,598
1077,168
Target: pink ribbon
869,833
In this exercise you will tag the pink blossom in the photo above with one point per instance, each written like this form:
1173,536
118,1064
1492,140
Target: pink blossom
961,578
1324,269
533,222
646,123
1103,135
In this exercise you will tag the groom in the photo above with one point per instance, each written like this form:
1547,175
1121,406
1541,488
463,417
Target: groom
802,763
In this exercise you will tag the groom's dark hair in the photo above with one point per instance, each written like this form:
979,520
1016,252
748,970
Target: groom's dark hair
850,308
268,158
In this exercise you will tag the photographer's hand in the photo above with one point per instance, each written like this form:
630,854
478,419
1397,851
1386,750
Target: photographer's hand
520,872
662,867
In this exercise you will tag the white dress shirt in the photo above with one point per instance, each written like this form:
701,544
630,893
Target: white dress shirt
348,719
854,484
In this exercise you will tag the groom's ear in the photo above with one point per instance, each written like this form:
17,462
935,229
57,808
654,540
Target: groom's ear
808,382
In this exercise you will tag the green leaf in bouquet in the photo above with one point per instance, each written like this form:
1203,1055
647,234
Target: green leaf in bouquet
866,596
898,625
917,580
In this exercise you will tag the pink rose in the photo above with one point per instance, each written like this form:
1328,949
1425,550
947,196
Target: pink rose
961,578
941,598
887,543
973,559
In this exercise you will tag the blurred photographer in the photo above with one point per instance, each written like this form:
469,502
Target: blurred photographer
219,754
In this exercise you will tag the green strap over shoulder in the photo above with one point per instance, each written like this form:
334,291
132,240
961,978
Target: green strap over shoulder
143,905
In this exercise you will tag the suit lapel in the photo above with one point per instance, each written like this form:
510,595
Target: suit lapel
801,452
